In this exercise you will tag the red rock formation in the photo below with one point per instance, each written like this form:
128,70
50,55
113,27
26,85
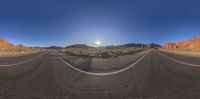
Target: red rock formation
169,46
193,44
196,38
7,45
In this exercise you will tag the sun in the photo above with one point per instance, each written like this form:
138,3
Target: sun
98,43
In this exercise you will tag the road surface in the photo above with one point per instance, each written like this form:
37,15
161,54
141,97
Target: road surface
158,75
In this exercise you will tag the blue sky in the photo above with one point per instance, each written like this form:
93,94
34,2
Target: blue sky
65,22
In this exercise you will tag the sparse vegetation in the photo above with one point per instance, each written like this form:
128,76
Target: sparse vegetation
84,50
8,49
102,52
17,51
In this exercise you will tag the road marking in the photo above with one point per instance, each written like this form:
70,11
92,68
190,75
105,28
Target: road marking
177,61
26,61
101,74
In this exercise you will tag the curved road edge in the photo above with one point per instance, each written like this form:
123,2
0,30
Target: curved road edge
177,61
23,62
101,74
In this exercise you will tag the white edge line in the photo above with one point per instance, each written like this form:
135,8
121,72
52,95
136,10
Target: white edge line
101,74
177,61
19,63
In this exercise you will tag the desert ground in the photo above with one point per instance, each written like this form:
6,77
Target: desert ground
8,49
98,64
18,52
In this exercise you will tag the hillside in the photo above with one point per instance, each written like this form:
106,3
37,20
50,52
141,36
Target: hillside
151,45
9,49
192,44
7,45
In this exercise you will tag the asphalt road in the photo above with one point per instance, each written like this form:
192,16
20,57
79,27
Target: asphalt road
158,75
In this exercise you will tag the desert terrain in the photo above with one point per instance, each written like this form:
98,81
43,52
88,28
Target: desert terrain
102,59
188,47
136,73
7,49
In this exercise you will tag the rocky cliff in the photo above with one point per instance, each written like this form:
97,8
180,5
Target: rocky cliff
7,45
193,44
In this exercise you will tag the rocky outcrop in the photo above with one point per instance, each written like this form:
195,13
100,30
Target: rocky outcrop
193,44
169,46
7,45
21,46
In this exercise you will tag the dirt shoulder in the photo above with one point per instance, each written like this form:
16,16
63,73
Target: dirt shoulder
13,53
181,52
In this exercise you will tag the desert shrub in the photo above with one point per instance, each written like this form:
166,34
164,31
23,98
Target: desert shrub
102,52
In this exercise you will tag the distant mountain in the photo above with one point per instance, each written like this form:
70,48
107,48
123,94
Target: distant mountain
155,45
53,47
131,45
79,46
5,44
151,45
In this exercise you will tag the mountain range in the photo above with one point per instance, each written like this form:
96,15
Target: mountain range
152,45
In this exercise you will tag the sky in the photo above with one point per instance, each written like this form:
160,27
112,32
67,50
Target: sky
113,22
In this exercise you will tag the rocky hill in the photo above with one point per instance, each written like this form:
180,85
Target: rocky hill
7,45
128,45
192,44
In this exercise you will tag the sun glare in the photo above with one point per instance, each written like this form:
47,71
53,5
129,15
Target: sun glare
98,43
